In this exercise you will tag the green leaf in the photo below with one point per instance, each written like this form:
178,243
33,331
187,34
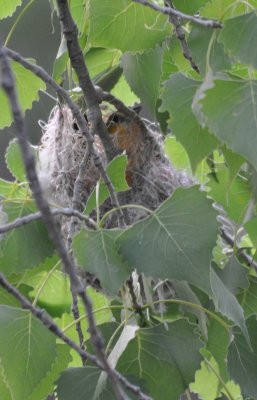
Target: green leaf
211,390
188,7
122,91
176,153
55,294
14,160
222,9
200,39
143,73
217,345
27,341
167,355
47,385
102,314
234,197
26,246
234,162
97,253
174,242
116,172
235,36
248,298
234,275
177,99
8,299
79,13
7,7
13,190
27,86
109,22
99,60
81,383
242,362
227,304
251,229
233,113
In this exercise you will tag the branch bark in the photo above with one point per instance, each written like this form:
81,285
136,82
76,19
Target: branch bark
8,85
171,11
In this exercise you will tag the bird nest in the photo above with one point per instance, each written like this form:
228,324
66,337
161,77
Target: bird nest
149,173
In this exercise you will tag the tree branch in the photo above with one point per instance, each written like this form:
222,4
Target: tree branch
230,241
68,212
52,327
180,33
171,11
68,262
94,114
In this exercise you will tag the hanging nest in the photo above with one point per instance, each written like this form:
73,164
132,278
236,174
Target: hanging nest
149,173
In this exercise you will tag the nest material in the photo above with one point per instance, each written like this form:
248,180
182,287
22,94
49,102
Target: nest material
149,173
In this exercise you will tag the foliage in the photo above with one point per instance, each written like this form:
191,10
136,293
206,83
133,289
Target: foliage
194,326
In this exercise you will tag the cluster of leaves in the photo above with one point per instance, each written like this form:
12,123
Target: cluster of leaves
204,339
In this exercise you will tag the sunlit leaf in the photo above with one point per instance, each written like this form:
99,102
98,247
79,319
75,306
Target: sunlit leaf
27,85
27,341
7,7
14,160
223,9
125,25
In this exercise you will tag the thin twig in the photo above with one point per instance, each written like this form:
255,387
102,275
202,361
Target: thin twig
246,257
94,115
180,33
68,212
171,11
68,262
51,326
76,204
76,315
8,85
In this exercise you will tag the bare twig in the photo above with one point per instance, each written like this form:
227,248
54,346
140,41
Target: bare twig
8,85
68,262
68,212
180,33
76,315
51,326
76,204
94,115
171,11
246,257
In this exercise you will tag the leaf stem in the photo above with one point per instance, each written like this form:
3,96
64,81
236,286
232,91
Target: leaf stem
84,316
231,397
138,206
14,26
193,305
44,281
